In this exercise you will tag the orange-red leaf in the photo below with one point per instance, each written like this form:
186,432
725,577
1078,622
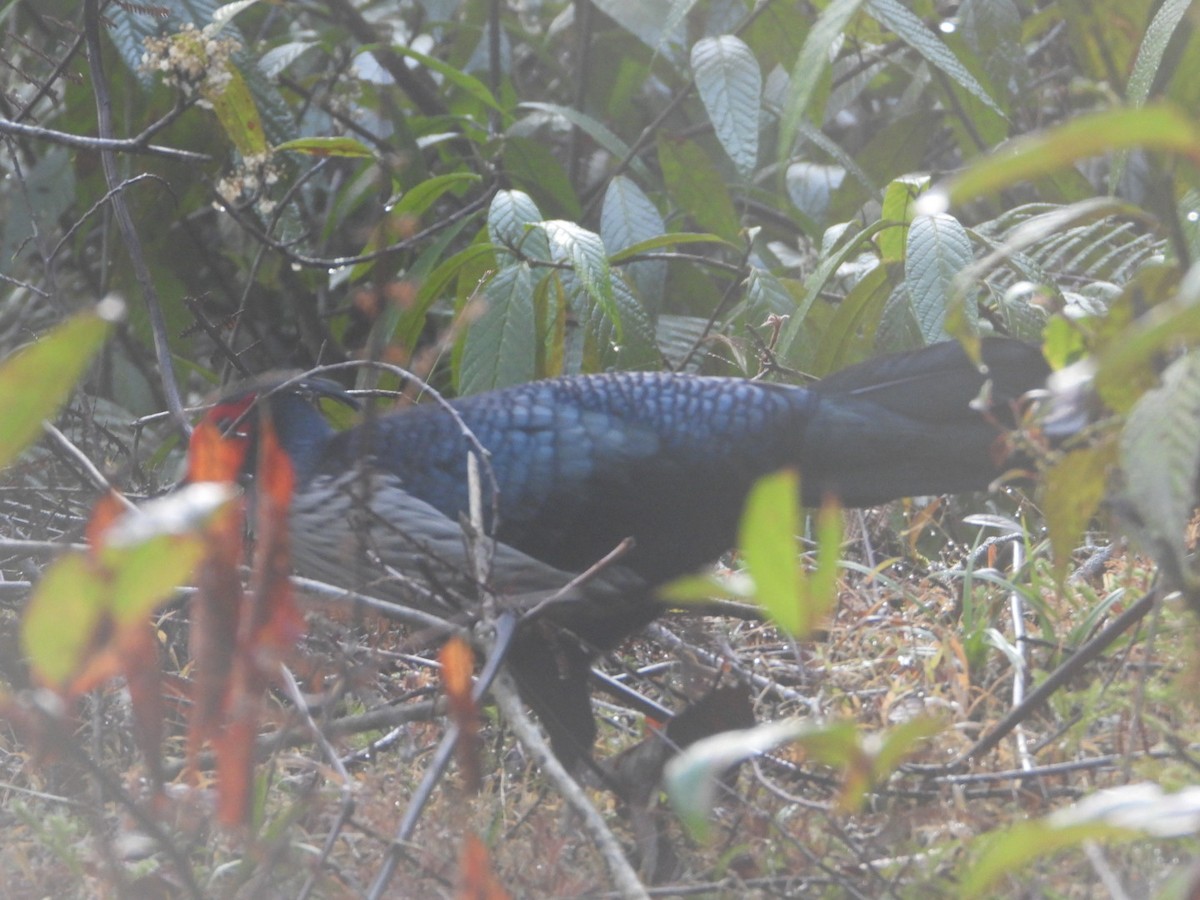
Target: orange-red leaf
477,881
213,457
215,612
239,637
143,678
233,748
105,513
276,624
457,664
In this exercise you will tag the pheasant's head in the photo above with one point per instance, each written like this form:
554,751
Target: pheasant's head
289,402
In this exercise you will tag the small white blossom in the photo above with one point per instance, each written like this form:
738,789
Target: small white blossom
194,60
248,183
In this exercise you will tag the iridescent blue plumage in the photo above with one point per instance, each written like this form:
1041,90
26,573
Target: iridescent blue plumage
583,463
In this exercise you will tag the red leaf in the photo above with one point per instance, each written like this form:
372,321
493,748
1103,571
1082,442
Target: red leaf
143,677
215,612
457,664
233,748
211,455
239,637
276,622
477,881
105,513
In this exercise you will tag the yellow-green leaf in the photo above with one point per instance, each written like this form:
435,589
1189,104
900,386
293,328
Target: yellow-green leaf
238,115
1075,487
1152,127
328,146
145,555
1011,850
62,618
770,524
37,379
795,600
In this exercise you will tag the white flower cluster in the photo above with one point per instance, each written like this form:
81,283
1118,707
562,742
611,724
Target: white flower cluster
194,59
249,182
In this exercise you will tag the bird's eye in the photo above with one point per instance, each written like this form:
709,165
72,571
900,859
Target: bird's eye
231,426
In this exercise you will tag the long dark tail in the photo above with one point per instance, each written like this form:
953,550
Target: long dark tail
908,424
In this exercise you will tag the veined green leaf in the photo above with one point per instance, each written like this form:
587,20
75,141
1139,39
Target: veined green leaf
730,86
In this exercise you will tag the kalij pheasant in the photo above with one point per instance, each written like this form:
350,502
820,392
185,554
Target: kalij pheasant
581,463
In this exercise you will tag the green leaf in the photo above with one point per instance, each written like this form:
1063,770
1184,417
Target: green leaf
1127,364
850,334
811,65
225,14
675,18
37,379
511,220
597,131
584,252
692,778
696,186
938,249
278,124
766,295
148,553
1042,227
460,79
820,277
628,218
730,86
671,239
992,29
1146,67
1153,127
70,591
767,538
811,187
634,346
1011,850
328,146
417,199
795,600
435,286
1075,487
654,24
701,588
1160,457
238,114
531,164
677,335
908,26
857,163
501,346
1154,45
899,209
275,61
